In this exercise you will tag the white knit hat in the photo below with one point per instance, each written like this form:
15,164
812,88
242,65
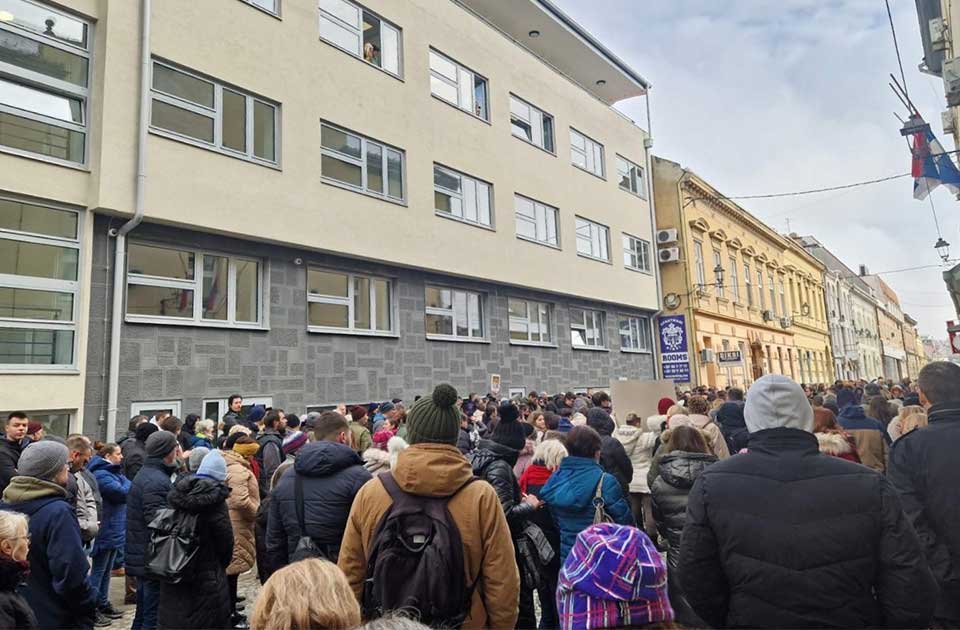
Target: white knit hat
776,401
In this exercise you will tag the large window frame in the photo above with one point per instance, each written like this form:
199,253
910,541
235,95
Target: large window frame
591,153
258,4
637,333
593,239
53,285
631,174
472,191
467,84
536,325
590,324
361,21
364,163
215,113
698,267
544,216
196,284
350,300
734,280
539,123
748,284
75,96
636,249
474,320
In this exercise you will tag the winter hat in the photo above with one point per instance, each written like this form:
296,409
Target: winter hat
143,431
43,460
310,421
580,405
160,443
196,456
293,443
846,397
33,426
613,577
389,406
434,418
599,420
508,431
911,399
774,402
358,412
257,412
213,466
663,405
730,415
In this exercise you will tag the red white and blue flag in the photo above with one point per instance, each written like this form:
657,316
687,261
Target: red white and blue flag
932,166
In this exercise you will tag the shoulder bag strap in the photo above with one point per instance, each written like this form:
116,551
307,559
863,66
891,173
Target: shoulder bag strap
298,502
598,495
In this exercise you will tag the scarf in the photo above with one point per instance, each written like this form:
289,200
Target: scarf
534,475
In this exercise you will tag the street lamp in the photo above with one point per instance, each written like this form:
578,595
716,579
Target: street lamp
943,248
718,275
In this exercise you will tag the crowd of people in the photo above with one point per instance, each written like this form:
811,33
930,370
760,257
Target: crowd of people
781,506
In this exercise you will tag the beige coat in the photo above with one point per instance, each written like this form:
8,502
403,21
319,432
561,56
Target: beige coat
243,502
437,470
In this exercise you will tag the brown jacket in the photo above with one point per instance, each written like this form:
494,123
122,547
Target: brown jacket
438,470
872,448
243,502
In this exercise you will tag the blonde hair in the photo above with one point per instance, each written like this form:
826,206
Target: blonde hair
915,420
907,410
205,425
676,410
578,419
551,453
239,428
12,524
283,605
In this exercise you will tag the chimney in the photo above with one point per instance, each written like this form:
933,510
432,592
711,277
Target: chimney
863,270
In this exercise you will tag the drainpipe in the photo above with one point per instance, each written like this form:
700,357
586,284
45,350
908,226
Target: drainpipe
647,145
120,250
691,316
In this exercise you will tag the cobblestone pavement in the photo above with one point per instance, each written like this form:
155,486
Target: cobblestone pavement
248,587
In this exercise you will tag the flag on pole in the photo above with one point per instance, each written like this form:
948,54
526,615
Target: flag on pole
932,166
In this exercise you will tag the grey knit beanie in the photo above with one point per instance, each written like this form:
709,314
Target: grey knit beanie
160,444
43,460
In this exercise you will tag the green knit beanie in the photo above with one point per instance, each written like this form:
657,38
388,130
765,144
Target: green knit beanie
435,418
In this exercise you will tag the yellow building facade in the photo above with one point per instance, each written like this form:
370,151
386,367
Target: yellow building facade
740,285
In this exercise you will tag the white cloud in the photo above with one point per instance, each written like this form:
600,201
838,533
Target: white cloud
763,97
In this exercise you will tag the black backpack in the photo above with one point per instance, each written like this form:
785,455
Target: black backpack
307,547
416,561
174,541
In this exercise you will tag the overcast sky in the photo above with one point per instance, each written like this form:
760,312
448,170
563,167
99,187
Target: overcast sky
768,96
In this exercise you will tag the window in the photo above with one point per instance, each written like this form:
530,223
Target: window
201,111
698,264
361,33
531,124
586,328
631,177
734,279
166,284
763,300
747,284
773,293
44,81
458,86
153,409
271,6
39,288
458,196
360,163
634,333
593,239
783,300
717,269
529,321
54,422
586,153
636,253
344,302
454,314
536,221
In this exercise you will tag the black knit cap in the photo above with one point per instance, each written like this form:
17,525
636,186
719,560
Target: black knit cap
508,431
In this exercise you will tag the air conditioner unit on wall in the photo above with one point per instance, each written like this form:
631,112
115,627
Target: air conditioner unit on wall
669,254
948,121
666,236
951,81
939,34
768,316
785,322
707,356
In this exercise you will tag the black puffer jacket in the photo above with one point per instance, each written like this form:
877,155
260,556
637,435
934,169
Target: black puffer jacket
9,457
332,474
921,463
148,493
494,464
14,610
784,536
613,457
677,473
202,598
134,455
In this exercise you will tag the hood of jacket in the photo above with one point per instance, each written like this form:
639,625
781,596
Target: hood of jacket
197,494
833,443
431,470
323,459
853,412
234,458
99,463
680,468
24,489
600,421
629,436
699,421
488,452
573,485
655,422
